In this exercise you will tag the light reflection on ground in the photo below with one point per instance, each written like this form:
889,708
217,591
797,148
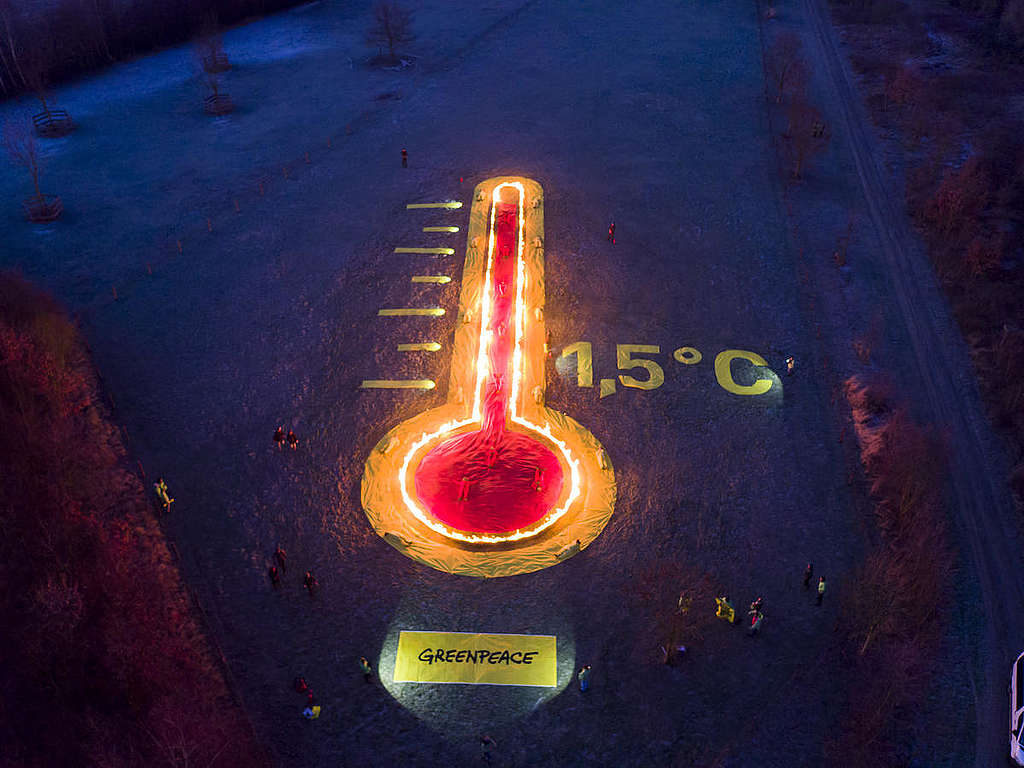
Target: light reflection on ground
461,711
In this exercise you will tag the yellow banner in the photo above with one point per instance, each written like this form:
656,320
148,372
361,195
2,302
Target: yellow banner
466,657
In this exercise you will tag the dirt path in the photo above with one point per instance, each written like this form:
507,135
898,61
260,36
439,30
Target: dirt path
984,511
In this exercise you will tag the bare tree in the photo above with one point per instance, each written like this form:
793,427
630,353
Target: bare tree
51,122
35,71
843,241
210,46
785,66
392,26
806,136
20,145
10,48
93,25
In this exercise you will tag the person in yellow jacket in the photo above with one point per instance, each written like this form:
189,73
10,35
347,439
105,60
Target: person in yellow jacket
160,487
725,609
821,589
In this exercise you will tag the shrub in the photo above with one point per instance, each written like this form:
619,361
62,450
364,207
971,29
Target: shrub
959,199
892,615
984,254
785,66
806,135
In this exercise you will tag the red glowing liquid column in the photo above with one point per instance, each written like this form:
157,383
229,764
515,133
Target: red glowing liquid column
493,480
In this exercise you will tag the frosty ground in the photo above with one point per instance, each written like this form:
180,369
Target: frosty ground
648,114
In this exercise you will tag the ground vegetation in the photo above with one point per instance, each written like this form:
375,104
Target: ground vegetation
894,612
104,662
943,81
391,28
69,37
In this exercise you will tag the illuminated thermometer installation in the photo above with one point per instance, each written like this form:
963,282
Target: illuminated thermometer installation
493,483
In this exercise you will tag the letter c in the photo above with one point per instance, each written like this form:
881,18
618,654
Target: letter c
723,372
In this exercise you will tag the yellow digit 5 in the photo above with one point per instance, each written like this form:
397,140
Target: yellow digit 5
656,376
723,372
584,362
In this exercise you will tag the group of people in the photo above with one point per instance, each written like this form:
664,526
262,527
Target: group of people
312,710
726,612
808,575
280,438
280,565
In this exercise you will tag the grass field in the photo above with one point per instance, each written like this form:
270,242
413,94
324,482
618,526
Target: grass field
647,114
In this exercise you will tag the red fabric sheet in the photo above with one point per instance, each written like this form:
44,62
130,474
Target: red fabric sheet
493,480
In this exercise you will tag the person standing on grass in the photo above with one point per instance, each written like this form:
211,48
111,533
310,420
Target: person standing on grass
821,589
293,441
684,603
725,609
584,677
309,583
280,558
486,745
364,667
611,233
160,487
279,437
275,577
405,158
808,573
756,619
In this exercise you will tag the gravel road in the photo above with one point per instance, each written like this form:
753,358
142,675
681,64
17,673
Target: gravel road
985,517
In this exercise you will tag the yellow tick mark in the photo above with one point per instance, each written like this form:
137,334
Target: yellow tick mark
451,204
411,312
440,229
397,384
424,346
431,279
435,251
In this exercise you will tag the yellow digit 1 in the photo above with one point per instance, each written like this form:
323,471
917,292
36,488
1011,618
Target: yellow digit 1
656,376
723,372
584,362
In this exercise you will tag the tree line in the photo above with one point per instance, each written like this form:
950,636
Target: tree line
69,37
